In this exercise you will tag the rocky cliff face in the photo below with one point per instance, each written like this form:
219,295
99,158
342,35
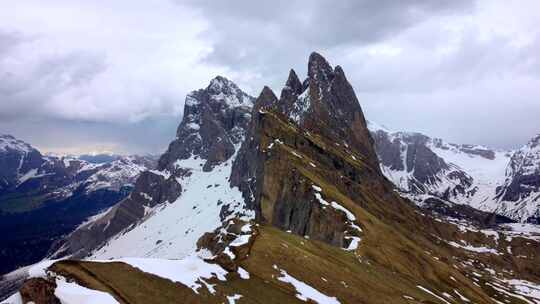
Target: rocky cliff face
409,161
520,193
316,124
326,104
215,120
214,124
17,158
504,182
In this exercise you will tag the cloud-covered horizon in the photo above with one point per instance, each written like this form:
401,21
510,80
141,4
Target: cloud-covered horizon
88,76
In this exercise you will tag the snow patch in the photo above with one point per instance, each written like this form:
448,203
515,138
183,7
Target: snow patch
194,213
432,293
474,249
72,293
243,273
525,288
189,271
304,291
232,299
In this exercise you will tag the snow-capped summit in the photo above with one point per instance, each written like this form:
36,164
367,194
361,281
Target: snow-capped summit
8,142
18,161
490,180
222,89
215,119
188,189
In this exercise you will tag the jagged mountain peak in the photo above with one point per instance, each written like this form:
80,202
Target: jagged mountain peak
330,104
319,68
535,141
221,92
221,84
214,121
266,98
324,103
293,83
220,81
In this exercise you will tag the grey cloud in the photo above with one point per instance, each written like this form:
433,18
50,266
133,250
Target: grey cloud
455,69
272,36
27,87
461,93
77,137
9,40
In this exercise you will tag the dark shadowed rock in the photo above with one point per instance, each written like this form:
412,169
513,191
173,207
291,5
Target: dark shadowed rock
424,172
322,122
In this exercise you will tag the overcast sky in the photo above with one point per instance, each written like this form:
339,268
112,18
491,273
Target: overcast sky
81,76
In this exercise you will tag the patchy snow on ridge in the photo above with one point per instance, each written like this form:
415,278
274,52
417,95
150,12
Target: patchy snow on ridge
486,173
474,249
525,288
432,293
8,142
301,106
490,180
355,241
116,174
194,213
304,291
190,271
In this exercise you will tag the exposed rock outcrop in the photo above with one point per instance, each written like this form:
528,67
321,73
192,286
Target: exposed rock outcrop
39,291
502,182
520,193
214,123
313,131
215,120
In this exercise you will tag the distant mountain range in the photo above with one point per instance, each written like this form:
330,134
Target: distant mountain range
293,198
423,168
43,197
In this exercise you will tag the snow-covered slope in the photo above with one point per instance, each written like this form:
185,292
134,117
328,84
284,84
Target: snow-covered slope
43,198
505,182
198,210
487,173
118,173
519,195
18,160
